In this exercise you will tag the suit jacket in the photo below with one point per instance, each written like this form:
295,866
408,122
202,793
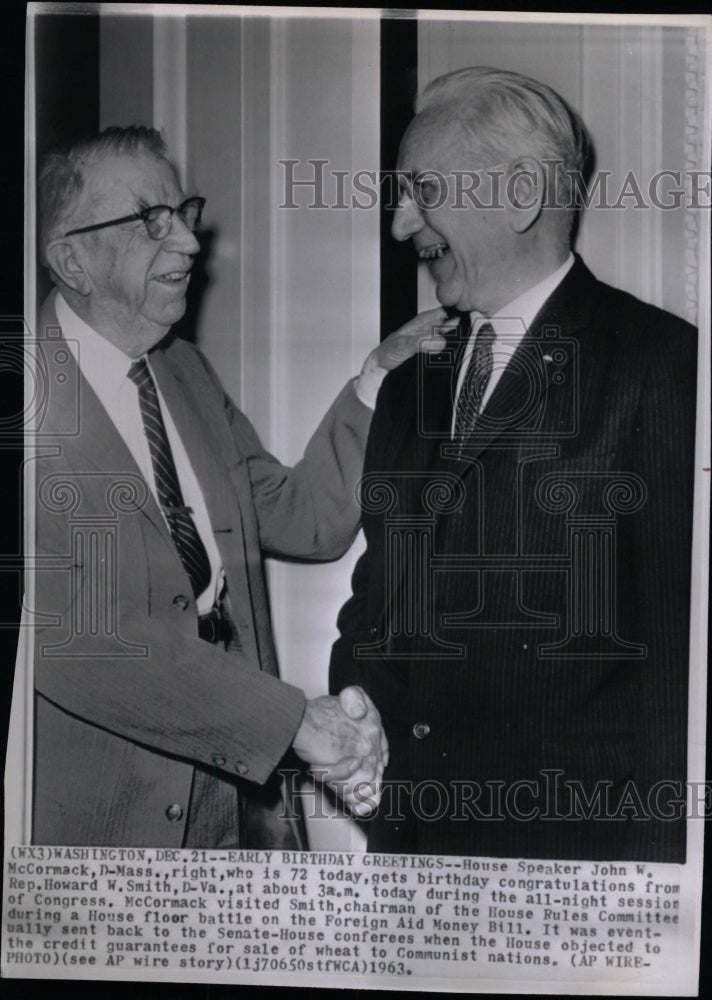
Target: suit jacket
144,732
520,616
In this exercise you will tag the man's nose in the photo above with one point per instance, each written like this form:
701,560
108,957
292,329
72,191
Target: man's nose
407,220
180,238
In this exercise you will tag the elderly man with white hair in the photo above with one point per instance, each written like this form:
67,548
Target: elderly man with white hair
520,617
159,716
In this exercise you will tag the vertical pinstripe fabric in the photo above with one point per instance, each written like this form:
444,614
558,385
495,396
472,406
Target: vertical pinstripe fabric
589,728
182,527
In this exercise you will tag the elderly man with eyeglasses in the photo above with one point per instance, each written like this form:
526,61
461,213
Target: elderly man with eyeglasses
159,716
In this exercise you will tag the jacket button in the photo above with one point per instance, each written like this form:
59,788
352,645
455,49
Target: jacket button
181,602
421,730
241,767
174,812
219,761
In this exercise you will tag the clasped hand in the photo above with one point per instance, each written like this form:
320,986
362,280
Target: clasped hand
343,741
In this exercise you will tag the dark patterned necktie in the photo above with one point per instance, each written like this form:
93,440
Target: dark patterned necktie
474,385
182,527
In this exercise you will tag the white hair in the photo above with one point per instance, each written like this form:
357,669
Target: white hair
506,115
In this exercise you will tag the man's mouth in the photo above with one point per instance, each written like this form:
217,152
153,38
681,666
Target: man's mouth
172,277
433,252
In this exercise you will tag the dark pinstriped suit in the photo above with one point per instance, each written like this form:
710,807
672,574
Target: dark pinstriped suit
586,457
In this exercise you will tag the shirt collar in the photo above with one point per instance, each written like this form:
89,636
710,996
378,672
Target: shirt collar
522,310
101,362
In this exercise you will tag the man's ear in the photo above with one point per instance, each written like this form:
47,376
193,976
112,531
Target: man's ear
525,192
62,259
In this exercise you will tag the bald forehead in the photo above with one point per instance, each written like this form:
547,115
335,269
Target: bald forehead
118,175
116,184
436,139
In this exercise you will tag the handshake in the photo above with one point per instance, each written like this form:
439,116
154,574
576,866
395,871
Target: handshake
343,742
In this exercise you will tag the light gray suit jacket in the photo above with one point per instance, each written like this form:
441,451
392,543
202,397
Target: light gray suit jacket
143,732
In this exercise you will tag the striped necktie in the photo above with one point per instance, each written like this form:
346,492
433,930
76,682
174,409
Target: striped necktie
474,385
182,527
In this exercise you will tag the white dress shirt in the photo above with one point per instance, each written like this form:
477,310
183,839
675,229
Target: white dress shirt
509,325
106,368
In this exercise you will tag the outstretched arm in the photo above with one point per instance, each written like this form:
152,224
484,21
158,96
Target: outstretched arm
311,511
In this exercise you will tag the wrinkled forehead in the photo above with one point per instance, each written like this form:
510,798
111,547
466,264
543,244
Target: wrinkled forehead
436,140
122,183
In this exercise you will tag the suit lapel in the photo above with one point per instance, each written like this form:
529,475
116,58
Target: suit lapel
102,447
76,416
517,407
538,369
541,366
425,426
209,466
225,498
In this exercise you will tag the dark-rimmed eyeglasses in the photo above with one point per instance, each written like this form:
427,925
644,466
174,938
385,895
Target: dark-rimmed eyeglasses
158,218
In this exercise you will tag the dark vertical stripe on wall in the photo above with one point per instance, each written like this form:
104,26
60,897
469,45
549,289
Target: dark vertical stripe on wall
126,70
67,54
399,81
67,86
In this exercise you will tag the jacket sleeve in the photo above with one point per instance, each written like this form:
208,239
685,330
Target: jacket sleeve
149,679
663,457
114,647
364,616
345,668
311,510
162,687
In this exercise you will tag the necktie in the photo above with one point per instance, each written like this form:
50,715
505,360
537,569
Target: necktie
182,527
474,385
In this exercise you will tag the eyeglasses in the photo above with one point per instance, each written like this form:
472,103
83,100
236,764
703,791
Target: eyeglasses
158,218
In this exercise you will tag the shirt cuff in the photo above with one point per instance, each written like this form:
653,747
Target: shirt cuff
369,381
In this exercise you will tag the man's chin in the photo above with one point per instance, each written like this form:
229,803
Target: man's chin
169,315
151,335
451,298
